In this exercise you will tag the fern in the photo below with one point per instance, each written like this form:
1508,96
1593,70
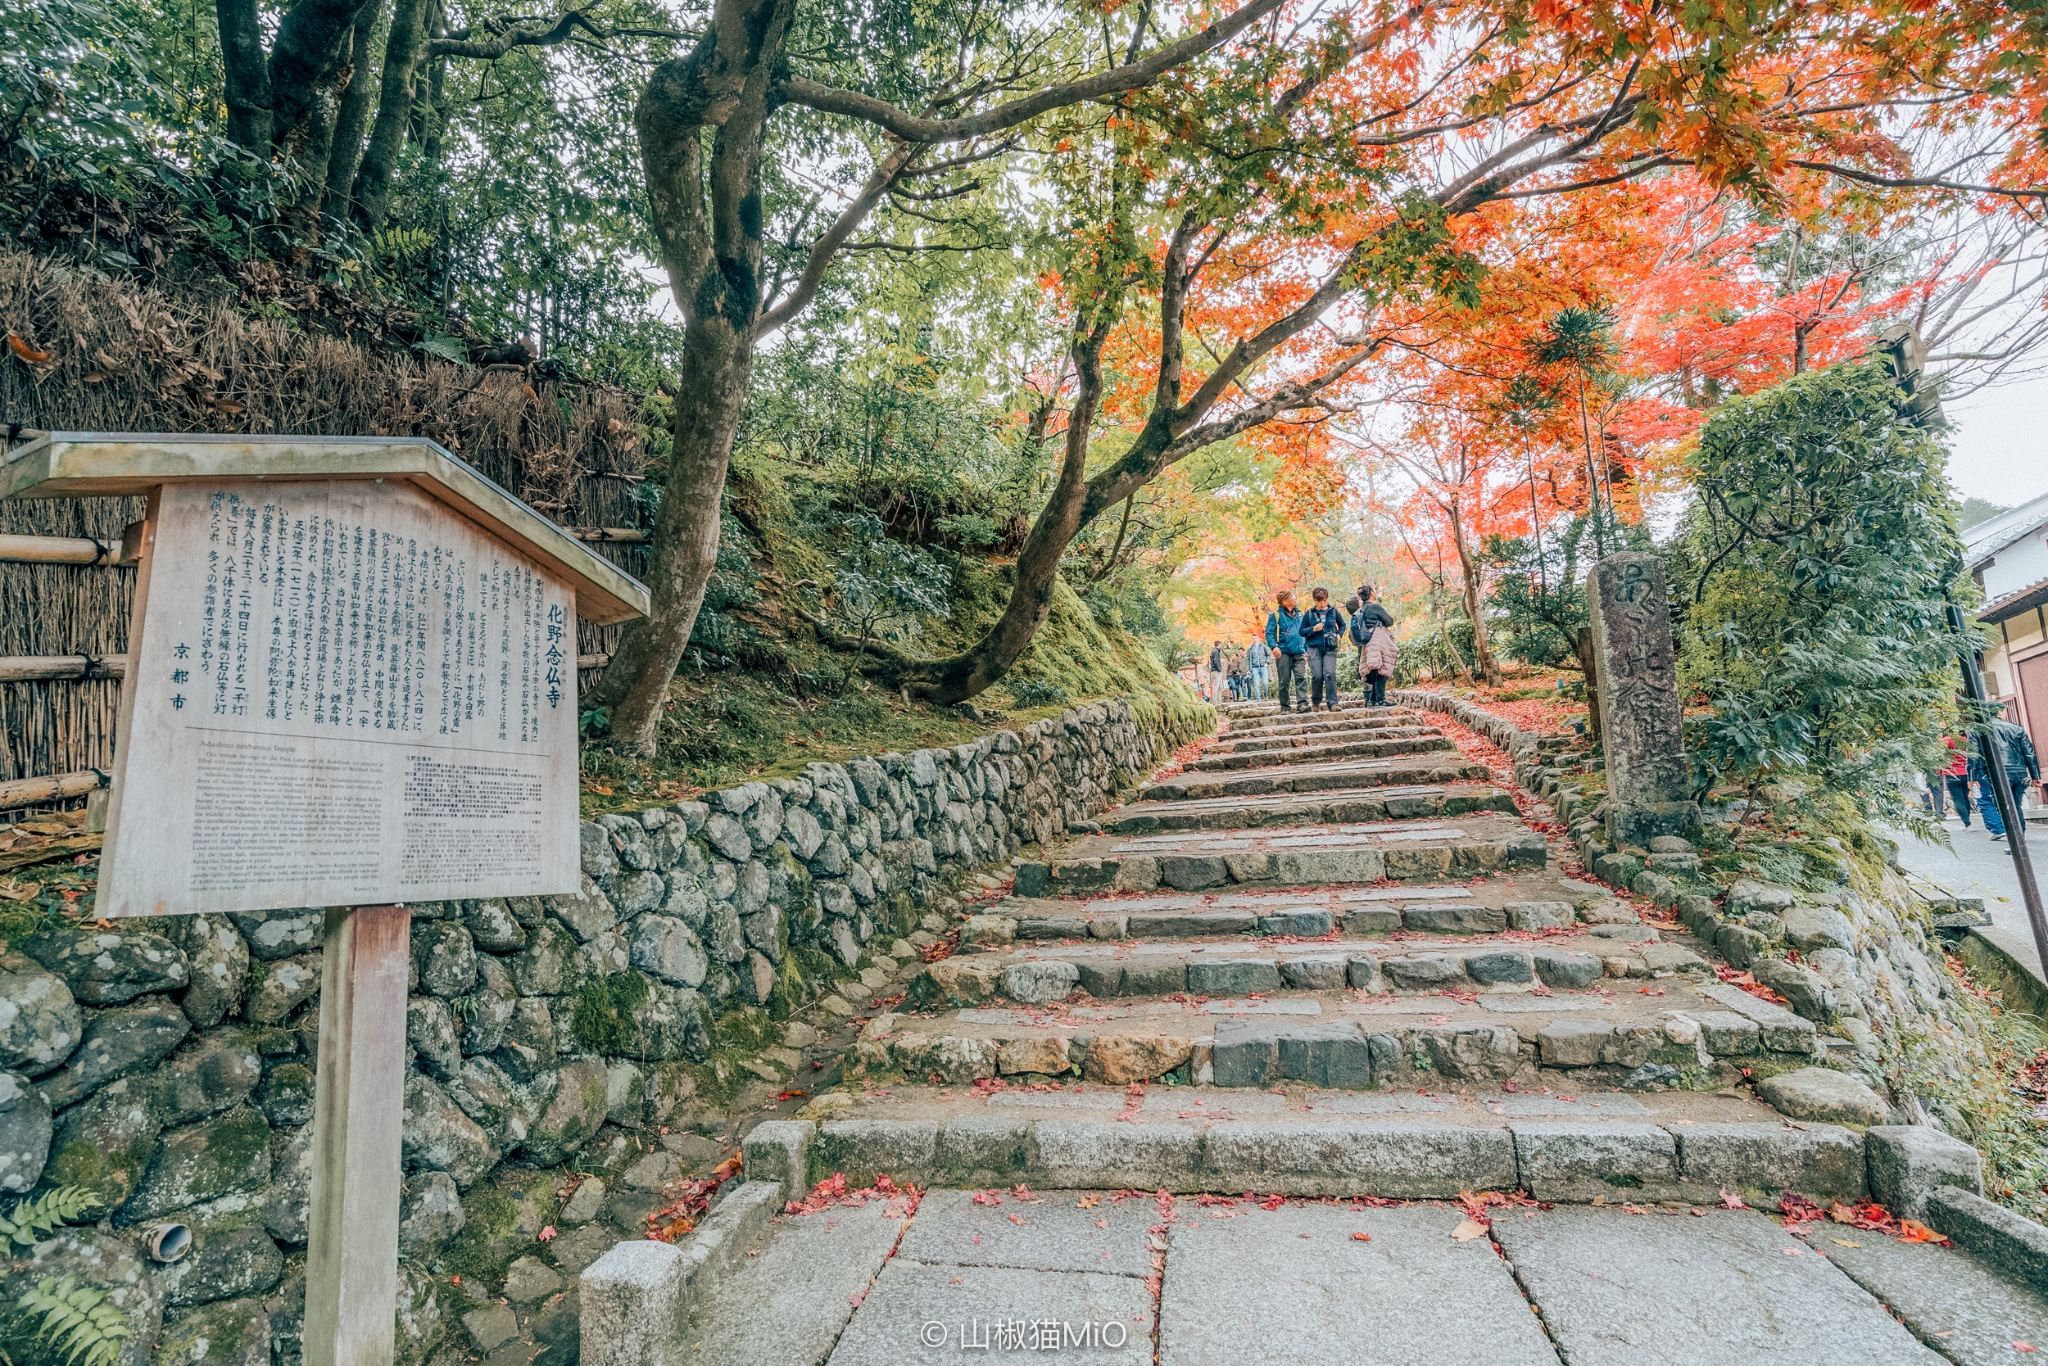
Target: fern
72,1323
451,349
35,1219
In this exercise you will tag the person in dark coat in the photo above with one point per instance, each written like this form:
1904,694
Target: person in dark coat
2013,750
1368,617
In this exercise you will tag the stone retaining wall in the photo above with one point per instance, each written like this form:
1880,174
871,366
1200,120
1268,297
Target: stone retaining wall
166,1066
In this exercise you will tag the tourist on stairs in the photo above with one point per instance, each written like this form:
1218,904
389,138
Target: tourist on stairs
1283,638
1371,623
1322,631
1258,659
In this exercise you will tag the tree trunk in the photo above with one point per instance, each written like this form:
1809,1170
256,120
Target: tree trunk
1482,649
713,260
355,112
305,59
245,75
394,111
1038,563
1582,646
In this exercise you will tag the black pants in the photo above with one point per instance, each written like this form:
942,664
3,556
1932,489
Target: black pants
1376,690
1292,673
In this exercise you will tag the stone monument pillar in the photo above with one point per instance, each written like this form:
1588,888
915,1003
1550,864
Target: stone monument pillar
1647,775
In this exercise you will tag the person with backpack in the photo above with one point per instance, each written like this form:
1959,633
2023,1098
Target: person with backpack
1283,639
1258,660
1322,631
1370,622
1216,672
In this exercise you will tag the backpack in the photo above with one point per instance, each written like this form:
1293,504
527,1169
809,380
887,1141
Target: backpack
1361,629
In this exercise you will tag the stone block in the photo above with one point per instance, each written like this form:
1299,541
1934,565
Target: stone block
1726,1034
862,1149
1313,974
1493,967
631,1302
2007,1242
107,967
1455,918
1120,1059
44,1022
1818,927
1583,1159
1193,872
228,1155
1362,973
25,1132
1906,1163
1562,968
1396,1158
779,1150
1233,977
1048,1054
1423,971
1039,982
1473,1052
1572,1043
1764,1160
1805,990
1103,1154
1824,1094
1332,1056
983,1150
1304,922
1310,867
1541,915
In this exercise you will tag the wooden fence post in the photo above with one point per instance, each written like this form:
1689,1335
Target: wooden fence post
358,1108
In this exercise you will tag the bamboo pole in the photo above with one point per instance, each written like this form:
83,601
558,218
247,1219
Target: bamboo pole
58,787
621,534
592,661
26,668
59,550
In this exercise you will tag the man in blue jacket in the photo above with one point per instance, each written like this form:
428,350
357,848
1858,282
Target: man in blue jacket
1322,632
1283,638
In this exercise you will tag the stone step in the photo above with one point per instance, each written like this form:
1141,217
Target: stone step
1281,742
1432,1143
1324,723
1406,771
1535,899
1441,949
1189,860
1240,712
1662,1033
1308,808
1323,751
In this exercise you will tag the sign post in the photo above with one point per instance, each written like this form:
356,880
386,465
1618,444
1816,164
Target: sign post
351,684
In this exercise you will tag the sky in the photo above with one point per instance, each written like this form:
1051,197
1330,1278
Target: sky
1998,442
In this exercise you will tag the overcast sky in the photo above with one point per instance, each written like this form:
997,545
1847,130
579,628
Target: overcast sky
1998,442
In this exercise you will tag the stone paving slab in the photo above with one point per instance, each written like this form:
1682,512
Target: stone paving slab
945,1314
1407,771
806,1278
1294,1286
1956,1304
1044,1231
1617,1289
1308,808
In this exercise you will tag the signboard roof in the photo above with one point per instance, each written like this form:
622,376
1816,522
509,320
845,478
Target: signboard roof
99,464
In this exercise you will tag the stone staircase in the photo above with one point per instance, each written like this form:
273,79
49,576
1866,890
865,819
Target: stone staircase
1372,984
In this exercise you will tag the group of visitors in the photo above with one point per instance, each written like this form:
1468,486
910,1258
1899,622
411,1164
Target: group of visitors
1965,770
1303,649
1306,647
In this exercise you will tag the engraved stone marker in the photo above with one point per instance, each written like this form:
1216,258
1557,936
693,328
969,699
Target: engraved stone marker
351,684
1641,722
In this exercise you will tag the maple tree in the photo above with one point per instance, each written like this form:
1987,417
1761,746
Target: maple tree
1258,237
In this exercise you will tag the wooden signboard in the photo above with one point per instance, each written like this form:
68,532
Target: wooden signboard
366,699
351,684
